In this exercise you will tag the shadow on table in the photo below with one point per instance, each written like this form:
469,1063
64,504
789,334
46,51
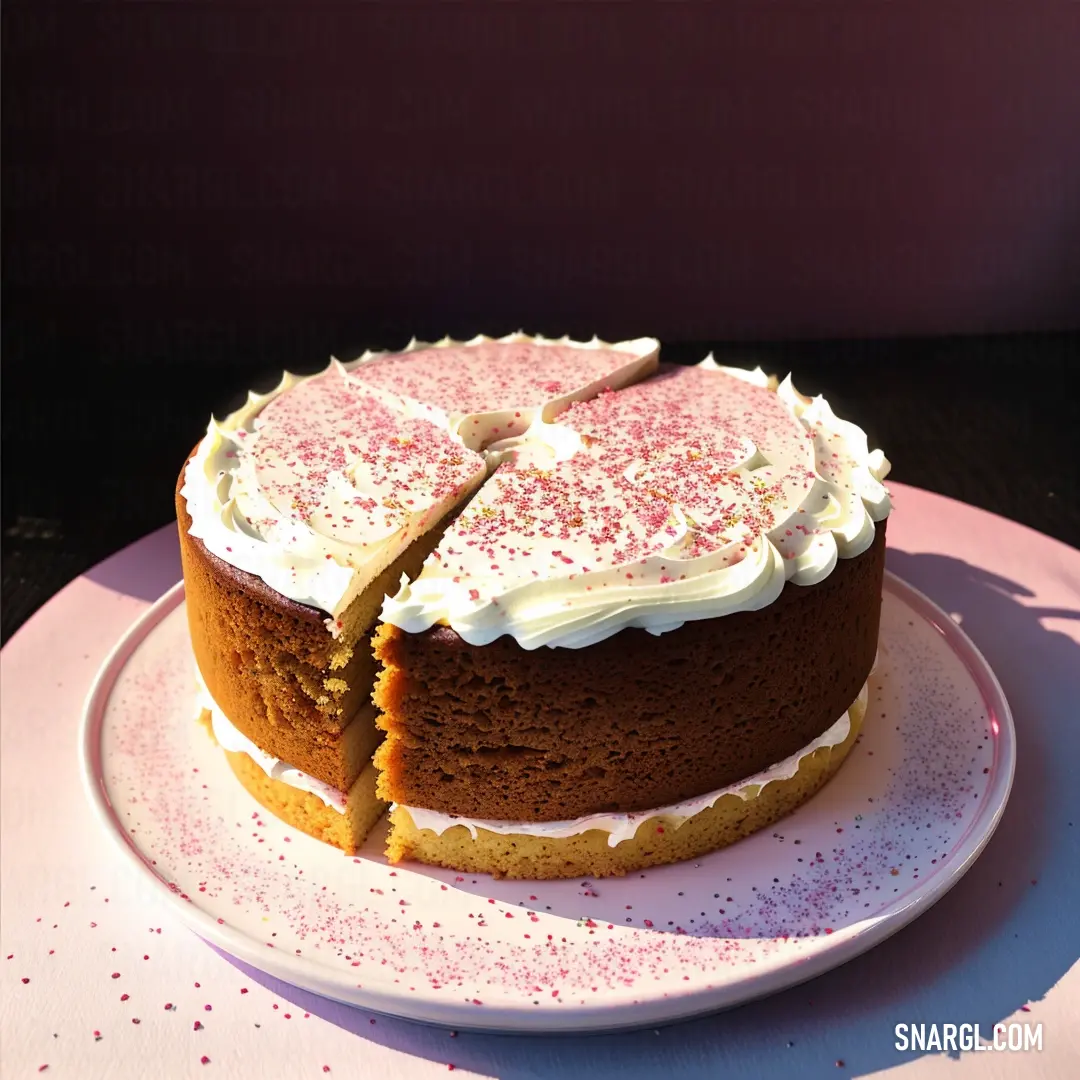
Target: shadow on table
146,569
1003,937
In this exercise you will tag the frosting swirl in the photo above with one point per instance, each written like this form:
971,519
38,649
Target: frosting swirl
689,495
692,495
319,485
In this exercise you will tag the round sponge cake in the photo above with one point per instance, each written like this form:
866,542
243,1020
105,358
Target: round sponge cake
598,590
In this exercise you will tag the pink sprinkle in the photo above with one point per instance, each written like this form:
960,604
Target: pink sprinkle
243,989
116,975
208,1008
25,980
197,1026
204,1060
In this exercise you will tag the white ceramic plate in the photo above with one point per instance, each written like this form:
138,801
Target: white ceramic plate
907,815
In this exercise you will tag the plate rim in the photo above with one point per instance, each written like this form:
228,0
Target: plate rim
513,1017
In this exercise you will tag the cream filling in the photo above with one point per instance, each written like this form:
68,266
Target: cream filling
621,827
229,738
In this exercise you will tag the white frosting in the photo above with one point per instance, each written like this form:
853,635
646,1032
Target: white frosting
487,403
242,482
229,738
639,520
621,827
238,492
819,489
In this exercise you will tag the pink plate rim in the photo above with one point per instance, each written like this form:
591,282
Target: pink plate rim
845,944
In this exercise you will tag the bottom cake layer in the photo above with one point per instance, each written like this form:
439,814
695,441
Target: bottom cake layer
346,829
623,843
608,845
341,818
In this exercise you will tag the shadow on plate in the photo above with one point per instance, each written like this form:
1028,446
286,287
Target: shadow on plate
145,570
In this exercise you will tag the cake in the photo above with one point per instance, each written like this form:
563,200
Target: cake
566,611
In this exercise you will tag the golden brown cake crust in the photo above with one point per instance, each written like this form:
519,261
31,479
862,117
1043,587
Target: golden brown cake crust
630,723
264,659
273,667
657,841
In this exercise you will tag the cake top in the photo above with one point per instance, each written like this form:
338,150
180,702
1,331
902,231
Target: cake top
690,495
616,499
350,465
318,486
490,389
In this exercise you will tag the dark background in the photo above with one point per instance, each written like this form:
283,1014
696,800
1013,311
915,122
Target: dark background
883,197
